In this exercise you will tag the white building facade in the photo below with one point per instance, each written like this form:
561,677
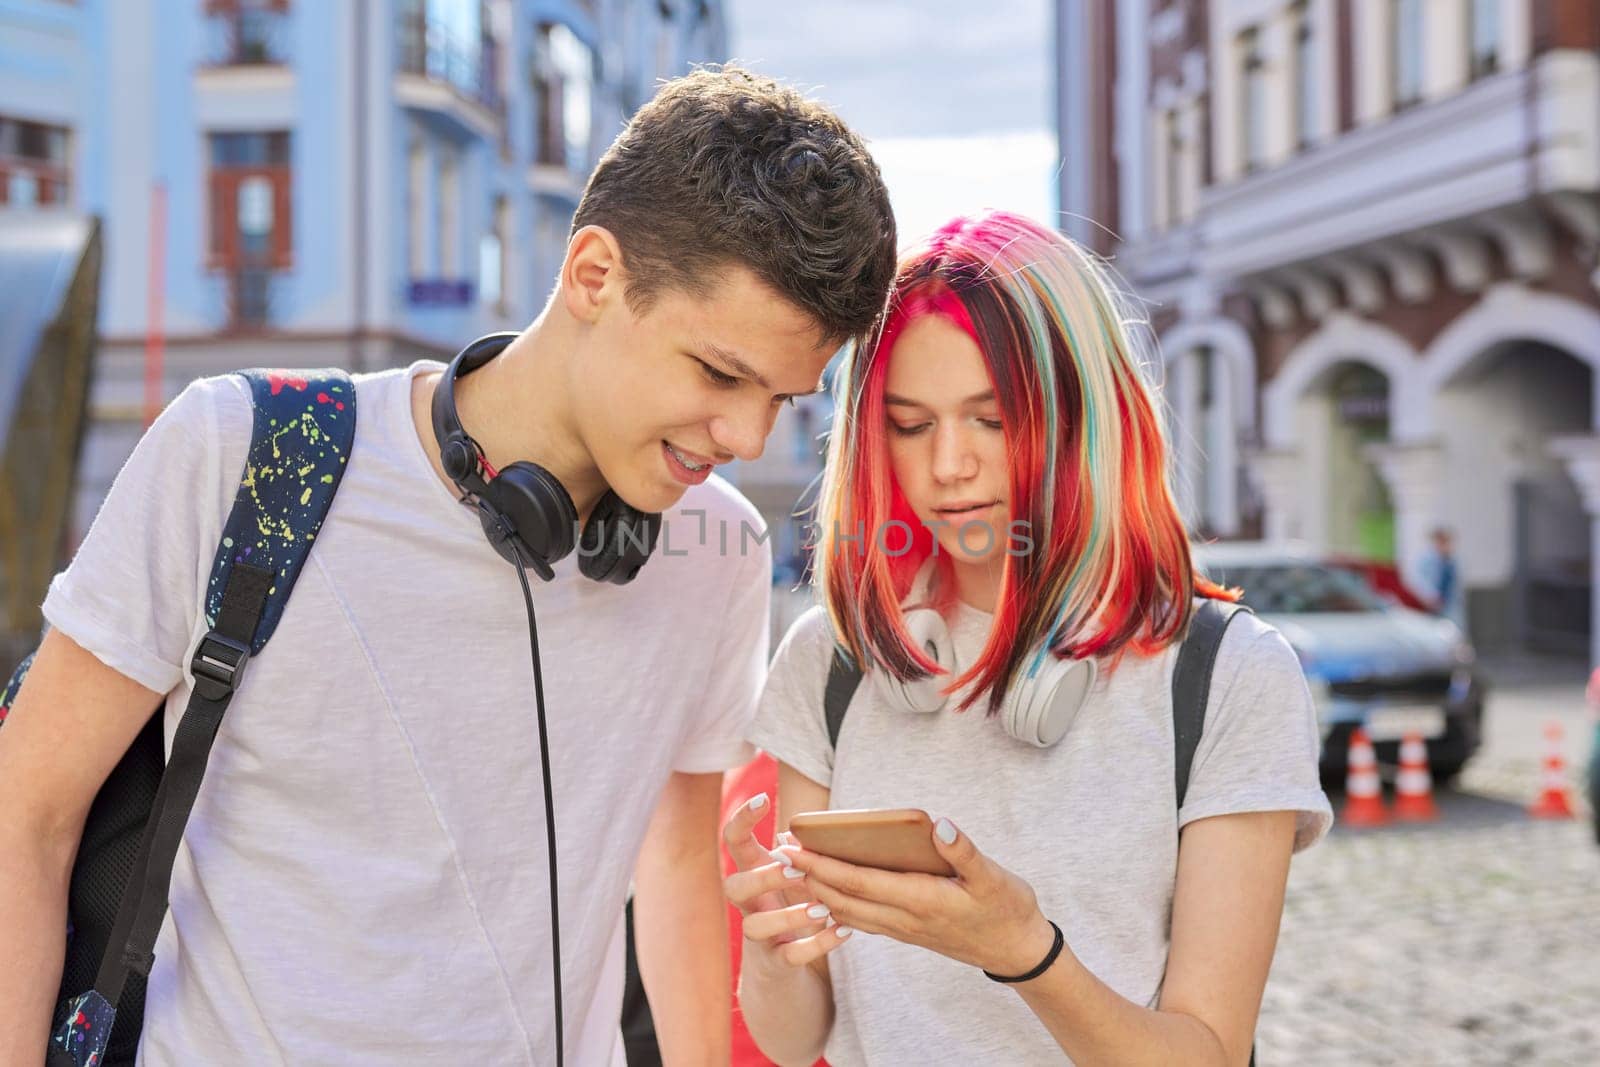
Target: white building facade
1368,232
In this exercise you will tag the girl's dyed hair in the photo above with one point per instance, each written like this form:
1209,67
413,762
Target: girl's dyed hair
1109,567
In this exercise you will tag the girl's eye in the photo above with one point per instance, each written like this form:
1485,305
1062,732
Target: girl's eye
907,431
993,424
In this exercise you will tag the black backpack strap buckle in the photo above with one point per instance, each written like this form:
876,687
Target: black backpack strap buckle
218,666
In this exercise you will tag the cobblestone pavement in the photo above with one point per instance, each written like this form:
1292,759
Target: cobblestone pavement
1474,940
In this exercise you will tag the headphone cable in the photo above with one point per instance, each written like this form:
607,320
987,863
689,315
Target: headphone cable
549,802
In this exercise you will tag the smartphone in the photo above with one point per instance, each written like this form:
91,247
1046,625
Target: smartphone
891,839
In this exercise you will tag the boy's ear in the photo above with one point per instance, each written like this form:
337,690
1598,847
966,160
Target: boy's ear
591,273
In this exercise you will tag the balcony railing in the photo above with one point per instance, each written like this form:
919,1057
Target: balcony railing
428,48
245,35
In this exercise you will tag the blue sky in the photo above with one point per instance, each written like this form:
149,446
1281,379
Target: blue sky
953,98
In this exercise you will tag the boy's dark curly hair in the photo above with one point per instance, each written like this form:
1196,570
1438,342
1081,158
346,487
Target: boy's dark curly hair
724,166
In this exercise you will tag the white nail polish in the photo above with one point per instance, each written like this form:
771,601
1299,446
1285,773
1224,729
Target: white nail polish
946,831
793,872
758,802
781,856
842,932
818,911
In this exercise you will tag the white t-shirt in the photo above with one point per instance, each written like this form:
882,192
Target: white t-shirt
1091,823
363,878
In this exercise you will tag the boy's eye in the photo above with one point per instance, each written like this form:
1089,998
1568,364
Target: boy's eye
716,376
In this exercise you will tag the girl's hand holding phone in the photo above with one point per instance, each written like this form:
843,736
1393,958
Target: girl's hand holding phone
781,919
985,915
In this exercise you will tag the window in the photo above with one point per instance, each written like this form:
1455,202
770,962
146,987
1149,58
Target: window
249,194
417,210
450,215
666,45
1405,35
1172,134
250,232
563,79
246,32
451,41
492,258
1253,119
1300,588
1306,99
33,163
1209,472
1204,358
1483,37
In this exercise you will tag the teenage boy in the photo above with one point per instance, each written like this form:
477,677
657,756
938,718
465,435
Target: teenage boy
363,878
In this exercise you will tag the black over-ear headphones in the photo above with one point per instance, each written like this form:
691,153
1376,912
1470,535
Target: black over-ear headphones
530,519
526,512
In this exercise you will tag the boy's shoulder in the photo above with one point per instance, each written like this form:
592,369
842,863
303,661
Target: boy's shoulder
224,403
220,400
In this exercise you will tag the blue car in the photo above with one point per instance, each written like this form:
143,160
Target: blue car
1370,662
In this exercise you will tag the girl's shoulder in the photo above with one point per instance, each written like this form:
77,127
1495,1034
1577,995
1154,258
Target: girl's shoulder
1251,648
1252,644
808,641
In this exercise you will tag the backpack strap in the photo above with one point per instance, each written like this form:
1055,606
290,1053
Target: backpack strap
844,677
304,425
1191,683
8,693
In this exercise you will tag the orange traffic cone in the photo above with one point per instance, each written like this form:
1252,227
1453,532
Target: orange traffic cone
1555,801
1363,792
1413,788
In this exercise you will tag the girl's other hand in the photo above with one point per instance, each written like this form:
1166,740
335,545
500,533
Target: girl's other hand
780,919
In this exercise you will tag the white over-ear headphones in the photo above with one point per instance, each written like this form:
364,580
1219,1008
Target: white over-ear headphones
1038,708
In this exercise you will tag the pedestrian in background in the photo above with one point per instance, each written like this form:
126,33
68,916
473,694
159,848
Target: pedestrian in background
1442,579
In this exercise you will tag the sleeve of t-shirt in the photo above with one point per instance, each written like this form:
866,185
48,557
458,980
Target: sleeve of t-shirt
133,593
791,721
1259,747
741,659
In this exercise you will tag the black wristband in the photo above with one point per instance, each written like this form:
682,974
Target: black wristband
1049,958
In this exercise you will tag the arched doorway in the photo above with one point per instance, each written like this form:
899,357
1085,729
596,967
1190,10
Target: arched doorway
1522,530
1507,380
1361,513
1342,412
1205,442
1351,388
1210,387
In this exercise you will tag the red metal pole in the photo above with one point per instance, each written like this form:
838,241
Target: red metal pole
154,338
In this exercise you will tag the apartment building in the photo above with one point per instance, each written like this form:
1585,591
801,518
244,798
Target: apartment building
1367,233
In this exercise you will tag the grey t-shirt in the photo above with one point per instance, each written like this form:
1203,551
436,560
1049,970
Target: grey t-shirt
1092,823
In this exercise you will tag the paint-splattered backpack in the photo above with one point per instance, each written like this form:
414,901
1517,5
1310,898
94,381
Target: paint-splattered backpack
304,423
